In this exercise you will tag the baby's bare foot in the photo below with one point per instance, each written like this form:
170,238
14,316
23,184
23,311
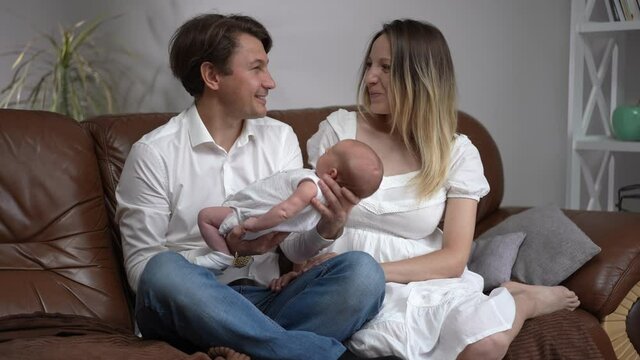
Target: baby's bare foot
225,353
545,299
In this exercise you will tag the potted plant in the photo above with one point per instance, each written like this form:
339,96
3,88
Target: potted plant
69,74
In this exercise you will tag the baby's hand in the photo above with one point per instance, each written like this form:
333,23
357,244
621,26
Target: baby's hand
250,224
276,285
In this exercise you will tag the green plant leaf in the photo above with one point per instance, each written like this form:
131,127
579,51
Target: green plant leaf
67,72
86,31
20,69
21,56
35,92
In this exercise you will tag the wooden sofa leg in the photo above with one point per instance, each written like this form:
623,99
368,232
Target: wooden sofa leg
615,325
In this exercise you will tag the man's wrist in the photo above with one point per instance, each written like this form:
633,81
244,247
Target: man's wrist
330,235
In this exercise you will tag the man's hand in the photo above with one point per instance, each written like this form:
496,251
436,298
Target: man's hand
334,214
257,246
250,224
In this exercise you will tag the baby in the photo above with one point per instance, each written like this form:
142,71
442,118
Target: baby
281,201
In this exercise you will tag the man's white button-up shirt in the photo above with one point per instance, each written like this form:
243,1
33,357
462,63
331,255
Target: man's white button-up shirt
178,169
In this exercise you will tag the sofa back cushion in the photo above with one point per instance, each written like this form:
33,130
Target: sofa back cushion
56,253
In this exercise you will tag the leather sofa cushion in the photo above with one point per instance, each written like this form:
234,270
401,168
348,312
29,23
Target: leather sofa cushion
64,337
560,335
56,251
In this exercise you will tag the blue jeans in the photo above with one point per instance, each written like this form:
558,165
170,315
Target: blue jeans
185,305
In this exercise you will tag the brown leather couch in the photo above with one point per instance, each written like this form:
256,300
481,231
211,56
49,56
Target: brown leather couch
63,293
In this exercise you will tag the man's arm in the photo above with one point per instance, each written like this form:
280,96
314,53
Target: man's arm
144,212
285,210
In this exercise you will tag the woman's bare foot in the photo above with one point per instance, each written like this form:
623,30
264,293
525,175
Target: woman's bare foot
225,353
545,299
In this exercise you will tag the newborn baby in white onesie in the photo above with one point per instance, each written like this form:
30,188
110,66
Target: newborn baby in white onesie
281,202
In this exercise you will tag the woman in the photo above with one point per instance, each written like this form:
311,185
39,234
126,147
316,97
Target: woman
434,307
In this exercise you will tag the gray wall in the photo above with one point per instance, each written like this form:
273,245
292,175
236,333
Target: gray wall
628,164
511,58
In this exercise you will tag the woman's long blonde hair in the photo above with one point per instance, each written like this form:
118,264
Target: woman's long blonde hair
422,97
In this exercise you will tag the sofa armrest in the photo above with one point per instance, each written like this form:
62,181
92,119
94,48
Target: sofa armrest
604,281
608,284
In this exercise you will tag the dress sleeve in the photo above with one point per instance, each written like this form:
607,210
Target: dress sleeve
466,174
323,139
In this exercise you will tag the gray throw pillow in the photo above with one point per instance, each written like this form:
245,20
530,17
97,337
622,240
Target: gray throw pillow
554,248
493,257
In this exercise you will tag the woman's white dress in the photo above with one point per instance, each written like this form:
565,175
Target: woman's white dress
433,319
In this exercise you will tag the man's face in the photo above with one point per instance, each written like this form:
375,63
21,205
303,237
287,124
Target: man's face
244,91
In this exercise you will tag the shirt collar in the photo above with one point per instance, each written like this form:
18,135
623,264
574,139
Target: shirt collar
198,133
248,131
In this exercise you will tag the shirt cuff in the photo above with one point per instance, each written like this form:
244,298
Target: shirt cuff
316,239
299,247
214,260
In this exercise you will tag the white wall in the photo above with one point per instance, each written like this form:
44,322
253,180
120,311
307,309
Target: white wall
511,58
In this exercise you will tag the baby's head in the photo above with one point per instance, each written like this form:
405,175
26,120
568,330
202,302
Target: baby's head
354,165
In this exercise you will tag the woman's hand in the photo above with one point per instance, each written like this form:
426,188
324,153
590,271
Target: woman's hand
257,246
276,285
316,260
334,214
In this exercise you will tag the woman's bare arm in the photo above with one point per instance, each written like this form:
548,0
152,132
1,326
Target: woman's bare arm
448,262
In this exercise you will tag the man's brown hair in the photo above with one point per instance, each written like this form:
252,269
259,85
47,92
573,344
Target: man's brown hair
209,38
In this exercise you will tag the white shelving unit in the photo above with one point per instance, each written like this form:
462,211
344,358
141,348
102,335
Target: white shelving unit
596,79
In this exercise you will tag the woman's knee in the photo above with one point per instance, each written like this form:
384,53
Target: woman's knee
492,347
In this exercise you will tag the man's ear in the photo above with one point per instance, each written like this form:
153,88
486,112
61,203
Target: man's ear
210,75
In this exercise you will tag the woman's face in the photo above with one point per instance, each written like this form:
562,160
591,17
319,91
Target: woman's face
376,76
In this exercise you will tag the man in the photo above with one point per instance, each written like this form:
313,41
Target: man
192,296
